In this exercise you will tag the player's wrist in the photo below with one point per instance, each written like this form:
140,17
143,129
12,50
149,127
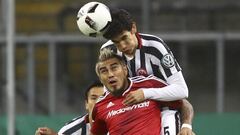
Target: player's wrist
185,125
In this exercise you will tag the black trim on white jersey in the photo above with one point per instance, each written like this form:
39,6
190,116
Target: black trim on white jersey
177,121
148,37
142,55
156,71
153,51
73,129
75,125
132,66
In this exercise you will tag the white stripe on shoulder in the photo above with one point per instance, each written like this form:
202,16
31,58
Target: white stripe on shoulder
149,35
158,79
109,42
138,79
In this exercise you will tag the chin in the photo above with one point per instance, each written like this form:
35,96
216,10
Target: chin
117,92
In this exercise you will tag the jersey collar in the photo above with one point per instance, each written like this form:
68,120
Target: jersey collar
86,118
129,87
139,40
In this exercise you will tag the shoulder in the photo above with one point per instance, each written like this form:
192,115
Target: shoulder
70,127
102,101
104,96
149,37
151,40
109,43
100,106
149,81
153,44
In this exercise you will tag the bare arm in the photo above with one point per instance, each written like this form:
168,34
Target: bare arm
187,114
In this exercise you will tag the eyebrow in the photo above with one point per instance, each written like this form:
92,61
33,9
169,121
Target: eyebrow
101,68
124,36
114,64
110,65
94,95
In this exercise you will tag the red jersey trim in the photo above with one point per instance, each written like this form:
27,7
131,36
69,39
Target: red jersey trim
139,40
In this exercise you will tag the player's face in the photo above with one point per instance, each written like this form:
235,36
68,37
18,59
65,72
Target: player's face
126,42
113,75
93,94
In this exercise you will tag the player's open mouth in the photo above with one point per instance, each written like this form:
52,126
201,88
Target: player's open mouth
127,51
112,82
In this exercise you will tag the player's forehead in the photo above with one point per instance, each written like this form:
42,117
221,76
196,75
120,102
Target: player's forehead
121,36
108,63
95,91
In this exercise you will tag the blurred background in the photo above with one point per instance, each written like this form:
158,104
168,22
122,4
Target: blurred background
54,62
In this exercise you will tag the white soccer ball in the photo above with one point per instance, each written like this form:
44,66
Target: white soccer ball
93,19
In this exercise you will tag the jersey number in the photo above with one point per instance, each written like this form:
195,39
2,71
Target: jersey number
166,130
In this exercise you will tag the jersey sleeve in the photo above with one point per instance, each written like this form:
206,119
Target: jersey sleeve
98,125
175,90
75,125
163,58
109,44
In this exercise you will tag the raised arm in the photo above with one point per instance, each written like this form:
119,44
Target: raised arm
175,90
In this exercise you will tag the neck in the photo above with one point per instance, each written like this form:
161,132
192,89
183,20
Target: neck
119,93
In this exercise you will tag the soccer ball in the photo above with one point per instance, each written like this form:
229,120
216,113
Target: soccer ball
93,19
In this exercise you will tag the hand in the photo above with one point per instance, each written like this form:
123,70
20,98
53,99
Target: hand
134,97
186,131
45,131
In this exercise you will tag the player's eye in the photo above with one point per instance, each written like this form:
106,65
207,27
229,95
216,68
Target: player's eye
93,98
103,71
114,67
115,42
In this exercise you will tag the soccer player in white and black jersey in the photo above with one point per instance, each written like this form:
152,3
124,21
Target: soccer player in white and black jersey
79,125
149,55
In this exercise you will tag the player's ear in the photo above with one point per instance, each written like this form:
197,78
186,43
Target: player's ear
99,77
125,70
86,105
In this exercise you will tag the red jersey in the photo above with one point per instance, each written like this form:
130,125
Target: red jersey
111,115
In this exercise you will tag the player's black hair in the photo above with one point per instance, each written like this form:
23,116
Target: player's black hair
96,83
121,21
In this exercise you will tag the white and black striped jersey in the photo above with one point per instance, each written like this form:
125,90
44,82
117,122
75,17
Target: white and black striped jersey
77,126
152,57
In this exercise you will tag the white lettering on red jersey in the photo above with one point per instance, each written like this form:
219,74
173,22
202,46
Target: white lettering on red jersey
111,115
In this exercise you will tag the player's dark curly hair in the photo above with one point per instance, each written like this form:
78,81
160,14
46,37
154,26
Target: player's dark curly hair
121,20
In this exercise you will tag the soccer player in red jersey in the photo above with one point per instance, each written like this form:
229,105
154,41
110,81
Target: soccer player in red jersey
110,114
